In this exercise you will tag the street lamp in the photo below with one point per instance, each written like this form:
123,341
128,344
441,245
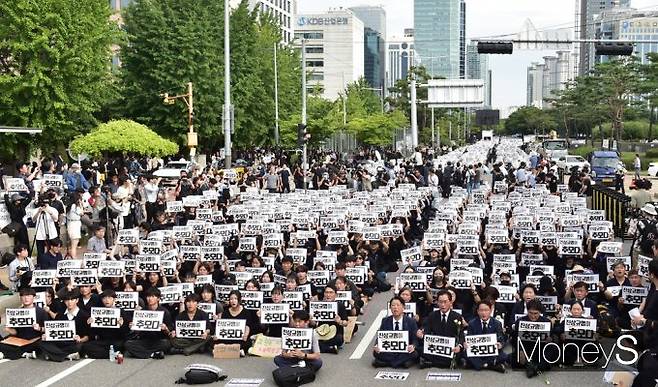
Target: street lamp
188,98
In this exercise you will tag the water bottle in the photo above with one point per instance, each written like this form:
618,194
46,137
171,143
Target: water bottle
113,355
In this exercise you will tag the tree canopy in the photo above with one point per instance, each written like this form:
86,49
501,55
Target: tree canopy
123,136
55,71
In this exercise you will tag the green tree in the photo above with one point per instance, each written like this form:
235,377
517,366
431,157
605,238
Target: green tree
617,81
528,119
121,137
580,105
173,42
55,70
377,129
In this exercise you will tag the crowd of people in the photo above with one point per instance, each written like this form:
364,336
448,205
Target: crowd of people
482,249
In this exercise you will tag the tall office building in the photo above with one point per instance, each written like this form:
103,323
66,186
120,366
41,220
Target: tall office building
284,11
440,36
629,24
334,50
477,67
400,57
374,21
545,79
586,13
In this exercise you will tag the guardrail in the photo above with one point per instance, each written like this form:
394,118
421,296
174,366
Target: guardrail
614,204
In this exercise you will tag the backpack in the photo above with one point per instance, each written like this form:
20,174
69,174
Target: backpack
647,365
293,376
201,374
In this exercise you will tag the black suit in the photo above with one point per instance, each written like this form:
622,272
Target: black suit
475,327
433,325
396,360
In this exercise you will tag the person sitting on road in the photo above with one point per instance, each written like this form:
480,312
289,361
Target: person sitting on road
30,335
104,338
482,325
59,351
188,346
397,321
152,345
442,322
289,358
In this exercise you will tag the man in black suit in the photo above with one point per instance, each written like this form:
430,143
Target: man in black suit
398,321
483,325
443,322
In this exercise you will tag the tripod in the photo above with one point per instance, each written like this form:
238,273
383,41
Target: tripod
40,251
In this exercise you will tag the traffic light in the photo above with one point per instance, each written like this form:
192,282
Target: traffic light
301,134
623,49
495,47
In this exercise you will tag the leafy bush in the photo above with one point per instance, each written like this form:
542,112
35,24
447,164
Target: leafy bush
652,153
123,136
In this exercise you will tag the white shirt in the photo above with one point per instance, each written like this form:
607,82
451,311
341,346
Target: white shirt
45,223
71,315
398,321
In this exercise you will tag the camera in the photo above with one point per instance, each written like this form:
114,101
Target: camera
43,200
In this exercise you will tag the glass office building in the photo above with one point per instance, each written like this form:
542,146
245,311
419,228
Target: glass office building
440,36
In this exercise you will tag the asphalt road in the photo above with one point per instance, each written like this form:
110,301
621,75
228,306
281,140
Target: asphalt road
349,368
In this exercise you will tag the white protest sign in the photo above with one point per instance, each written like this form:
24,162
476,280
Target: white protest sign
147,320
481,345
393,341
59,330
105,317
296,338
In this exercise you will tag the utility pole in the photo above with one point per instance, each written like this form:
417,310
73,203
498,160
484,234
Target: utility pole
304,149
227,87
414,115
188,98
276,99
433,137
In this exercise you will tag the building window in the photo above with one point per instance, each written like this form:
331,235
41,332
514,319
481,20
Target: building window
314,50
309,35
316,77
314,63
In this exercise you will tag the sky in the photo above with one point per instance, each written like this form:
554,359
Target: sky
485,18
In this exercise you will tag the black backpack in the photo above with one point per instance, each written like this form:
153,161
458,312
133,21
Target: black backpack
201,374
293,376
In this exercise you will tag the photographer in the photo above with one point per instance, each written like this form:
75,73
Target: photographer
646,228
20,269
16,207
45,218
184,186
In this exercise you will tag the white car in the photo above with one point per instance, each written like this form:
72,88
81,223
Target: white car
569,161
653,169
171,171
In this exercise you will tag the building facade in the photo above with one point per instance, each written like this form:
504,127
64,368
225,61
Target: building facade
545,79
334,50
629,24
400,57
284,11
374,45
477,67
440,37
587,11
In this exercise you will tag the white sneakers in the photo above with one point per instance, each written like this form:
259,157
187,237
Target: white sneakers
73,356
2,355
29,355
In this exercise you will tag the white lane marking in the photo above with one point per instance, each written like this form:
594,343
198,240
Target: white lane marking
4,361
364,344
55,378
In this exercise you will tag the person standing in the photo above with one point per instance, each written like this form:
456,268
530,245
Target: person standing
16,207
637,164
75,179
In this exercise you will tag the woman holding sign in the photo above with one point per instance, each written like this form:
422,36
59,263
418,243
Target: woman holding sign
236,311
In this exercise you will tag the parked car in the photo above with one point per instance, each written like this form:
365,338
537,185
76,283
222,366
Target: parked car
568,162
653,169
604,166
171,171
